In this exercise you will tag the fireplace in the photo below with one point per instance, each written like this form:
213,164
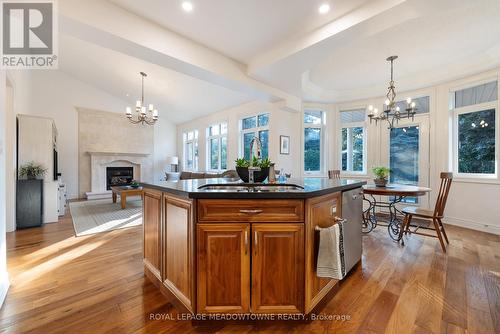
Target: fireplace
118,176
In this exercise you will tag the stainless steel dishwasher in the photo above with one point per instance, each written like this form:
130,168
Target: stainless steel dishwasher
352,211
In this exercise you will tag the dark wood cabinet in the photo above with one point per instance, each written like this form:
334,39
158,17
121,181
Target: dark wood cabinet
178,249
277,268
223,268
237,256
152,210
320,211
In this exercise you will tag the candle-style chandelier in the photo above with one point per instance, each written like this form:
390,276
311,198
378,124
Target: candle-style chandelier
144,115
392,112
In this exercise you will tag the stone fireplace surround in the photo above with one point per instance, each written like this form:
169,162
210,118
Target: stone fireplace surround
99,161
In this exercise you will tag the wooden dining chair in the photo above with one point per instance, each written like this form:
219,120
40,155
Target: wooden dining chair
334,174
436,216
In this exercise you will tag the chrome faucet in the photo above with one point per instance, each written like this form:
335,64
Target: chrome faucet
252,169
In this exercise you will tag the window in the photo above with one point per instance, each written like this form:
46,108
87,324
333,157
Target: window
217,147
190,140
352,133
404,157
475,130
314,122
252,127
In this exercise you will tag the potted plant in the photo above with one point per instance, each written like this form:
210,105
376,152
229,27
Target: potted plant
32,171
259,176
134,184
381,174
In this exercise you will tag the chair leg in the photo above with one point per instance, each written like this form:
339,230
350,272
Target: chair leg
438,231
444,231
402,228
408,224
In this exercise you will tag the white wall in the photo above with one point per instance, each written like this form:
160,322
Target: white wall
281,122
4,278
10,158
55,94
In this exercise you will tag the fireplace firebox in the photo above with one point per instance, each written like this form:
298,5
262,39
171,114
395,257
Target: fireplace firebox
119,176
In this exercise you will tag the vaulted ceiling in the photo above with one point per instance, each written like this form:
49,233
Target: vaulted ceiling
227,52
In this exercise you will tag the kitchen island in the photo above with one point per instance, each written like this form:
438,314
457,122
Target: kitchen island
219,246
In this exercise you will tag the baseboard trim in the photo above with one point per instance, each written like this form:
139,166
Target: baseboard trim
473,225
4,287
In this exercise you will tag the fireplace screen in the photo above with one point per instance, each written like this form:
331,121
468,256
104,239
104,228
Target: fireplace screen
118,176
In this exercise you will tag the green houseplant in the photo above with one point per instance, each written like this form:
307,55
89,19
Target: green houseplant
381,173
243,164
32,171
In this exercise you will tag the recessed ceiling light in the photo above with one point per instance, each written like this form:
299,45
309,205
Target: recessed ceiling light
187,6
324,8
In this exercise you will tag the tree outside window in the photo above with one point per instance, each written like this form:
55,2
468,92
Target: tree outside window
217,147
255,126
314,121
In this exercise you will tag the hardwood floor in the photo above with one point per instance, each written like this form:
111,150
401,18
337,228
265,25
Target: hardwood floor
95,284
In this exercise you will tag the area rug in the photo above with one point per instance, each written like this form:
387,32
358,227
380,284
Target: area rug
103,215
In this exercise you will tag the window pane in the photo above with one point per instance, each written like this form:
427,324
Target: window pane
357,149
313,117
352,149
195,159
404,154
195,134
264,139
190,135
247,139
344,149
223,128
478,94
421,103
263,119
223,153
476,142
214,153
312,149
189,155
249,123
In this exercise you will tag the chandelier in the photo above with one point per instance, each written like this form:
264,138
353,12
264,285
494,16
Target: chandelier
392,112
144,115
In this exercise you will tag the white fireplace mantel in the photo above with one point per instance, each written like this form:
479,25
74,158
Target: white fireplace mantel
99,161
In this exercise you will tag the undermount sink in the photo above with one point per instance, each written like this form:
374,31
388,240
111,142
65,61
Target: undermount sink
224,188
251,187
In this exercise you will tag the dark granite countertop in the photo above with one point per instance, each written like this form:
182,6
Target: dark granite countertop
312,187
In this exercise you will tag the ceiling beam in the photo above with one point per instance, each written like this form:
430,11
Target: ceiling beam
130,34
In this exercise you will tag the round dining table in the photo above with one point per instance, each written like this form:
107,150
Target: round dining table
396,193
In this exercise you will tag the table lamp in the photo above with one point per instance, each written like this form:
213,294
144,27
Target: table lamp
173,162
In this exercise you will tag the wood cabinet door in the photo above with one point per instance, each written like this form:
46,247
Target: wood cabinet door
152,231
320,211
277,268
178,248
223,268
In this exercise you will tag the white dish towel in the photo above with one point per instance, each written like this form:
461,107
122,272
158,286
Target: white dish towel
331,252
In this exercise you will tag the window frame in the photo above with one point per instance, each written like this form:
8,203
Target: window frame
256,130
195,142
219,137
363,125
455,113
322,145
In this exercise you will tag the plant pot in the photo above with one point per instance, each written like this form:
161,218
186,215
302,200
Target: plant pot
259,176
380,182
31,177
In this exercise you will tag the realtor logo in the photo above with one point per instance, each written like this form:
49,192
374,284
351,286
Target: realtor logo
28,34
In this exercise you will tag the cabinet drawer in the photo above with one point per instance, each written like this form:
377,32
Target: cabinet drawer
276,210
